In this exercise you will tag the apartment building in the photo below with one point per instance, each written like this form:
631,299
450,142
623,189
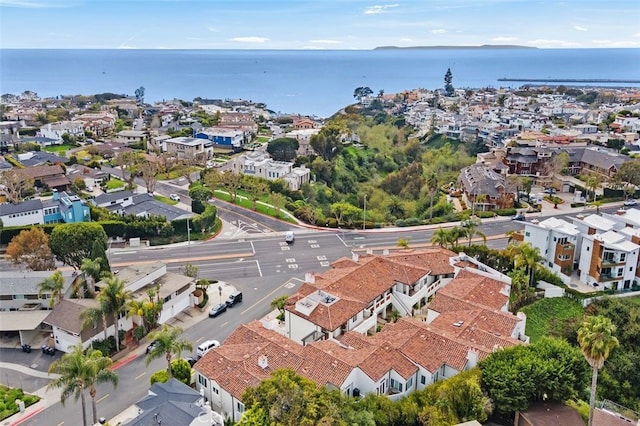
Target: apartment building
333,333
259,164
557,241
608,260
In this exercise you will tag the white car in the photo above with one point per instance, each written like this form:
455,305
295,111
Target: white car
630,202
174,197
205,347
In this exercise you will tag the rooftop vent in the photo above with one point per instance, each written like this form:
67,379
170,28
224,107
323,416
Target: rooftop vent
263,361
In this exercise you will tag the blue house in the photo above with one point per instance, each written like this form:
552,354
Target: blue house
65,208
223,137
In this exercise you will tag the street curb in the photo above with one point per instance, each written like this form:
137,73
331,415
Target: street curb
28,416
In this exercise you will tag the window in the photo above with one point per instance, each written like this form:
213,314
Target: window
423,380
623,257
240,407
202,380
355,318
215,390
527,234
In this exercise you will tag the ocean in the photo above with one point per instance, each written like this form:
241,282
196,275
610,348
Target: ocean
309,82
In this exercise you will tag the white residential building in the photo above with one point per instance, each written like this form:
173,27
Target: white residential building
608,260
259,164
56,130
557,240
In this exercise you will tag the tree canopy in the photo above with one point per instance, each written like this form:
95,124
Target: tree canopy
283,149
73,242
31,248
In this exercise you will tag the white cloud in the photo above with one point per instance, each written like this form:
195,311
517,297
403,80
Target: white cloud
325,41
504,39
373,10
579,28
406,40
635,35
439,31
615,43
212,29
250,39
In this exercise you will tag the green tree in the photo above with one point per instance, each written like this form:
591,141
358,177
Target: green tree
92,271
79,371
346,211
283,149
200,195
448,79
113,298
99,254
592,183
528,256
53,285
596,339
257,188
362,92
290,399
404,242
190,270
469,229
181,370
73,242
168,344
91,315
278,201
279,303
630,172
432,184
31,248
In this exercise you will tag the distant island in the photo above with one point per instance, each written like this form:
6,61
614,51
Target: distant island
484,46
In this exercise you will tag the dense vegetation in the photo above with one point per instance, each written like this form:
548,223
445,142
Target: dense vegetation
399,174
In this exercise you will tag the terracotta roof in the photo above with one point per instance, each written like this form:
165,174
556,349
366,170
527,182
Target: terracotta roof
357,284
476,288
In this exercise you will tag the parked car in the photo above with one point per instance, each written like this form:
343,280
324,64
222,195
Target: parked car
191,360
174,197
235,297
217,310
205,347
519,217
151,346
630,202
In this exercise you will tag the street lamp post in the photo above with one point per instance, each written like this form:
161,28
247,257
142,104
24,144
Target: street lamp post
220,293
188,233
364,213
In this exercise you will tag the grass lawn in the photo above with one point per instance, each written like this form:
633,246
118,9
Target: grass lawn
114,184
246,202
547,317
164,199
8,397
58,148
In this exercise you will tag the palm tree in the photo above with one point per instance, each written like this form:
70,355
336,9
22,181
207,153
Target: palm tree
597,204
79,371
91,316
404,242
469,229
100,372
113,299
440,237
91,269
524,254
592,184
54,285
167,344
596,341
432,185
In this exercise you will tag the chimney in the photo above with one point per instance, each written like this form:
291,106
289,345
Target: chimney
369,250
385,252
472,357
263,361
354,257
310,277
56,196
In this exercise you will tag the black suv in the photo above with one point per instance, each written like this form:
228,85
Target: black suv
235,297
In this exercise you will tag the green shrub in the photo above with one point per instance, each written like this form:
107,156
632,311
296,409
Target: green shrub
159,377
181,370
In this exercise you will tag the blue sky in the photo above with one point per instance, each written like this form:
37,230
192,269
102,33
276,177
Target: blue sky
320,24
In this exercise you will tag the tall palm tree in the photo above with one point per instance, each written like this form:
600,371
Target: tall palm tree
432,185
92,270
167,345
596,341
100,372
469,229
54,285
113,300
79,371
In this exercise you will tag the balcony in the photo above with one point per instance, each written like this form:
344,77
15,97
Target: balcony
613,261
609,277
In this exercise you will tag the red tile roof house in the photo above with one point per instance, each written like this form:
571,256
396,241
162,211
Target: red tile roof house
331,341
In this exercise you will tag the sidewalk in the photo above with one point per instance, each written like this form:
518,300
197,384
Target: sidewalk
187,318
